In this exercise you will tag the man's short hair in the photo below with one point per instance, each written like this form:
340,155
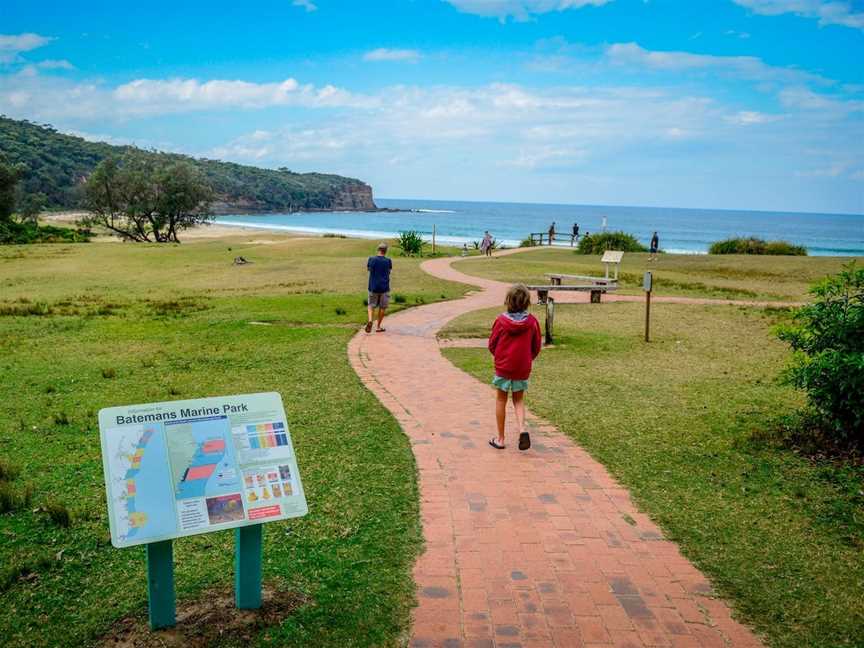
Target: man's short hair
382,247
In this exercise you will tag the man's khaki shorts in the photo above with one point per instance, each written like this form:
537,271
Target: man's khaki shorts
379,300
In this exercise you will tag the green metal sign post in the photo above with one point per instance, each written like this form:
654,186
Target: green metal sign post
160,584
247,567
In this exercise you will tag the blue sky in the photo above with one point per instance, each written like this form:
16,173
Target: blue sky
751,104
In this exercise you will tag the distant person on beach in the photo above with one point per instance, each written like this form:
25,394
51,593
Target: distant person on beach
379,268
514,343
655,245
575,234
603,225
551,232
486,244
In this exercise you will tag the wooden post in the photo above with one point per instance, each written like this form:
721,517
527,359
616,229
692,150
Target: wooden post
647,284
247,567
550,318
160,584
433,239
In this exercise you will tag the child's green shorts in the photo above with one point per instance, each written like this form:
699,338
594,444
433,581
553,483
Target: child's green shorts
505,384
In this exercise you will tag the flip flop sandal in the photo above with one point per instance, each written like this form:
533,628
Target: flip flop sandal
524,441
380,330
494,443
368,327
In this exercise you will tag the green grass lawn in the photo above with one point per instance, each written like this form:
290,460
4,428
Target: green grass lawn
677,421
115,323
718,276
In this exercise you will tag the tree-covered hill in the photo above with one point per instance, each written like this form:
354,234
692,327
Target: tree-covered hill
57,165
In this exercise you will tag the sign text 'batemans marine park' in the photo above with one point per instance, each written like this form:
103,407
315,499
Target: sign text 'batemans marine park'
184,467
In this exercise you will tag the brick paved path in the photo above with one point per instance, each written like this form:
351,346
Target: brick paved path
537,548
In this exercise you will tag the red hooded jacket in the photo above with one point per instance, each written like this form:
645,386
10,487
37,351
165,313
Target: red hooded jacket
515,342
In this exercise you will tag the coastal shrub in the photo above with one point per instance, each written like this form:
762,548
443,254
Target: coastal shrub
399,298
411,243
15,233
599,243
753,245
527,242
12,499
827,338
8,472
58,514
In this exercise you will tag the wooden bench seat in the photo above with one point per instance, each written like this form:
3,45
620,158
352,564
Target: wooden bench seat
595,289
558,279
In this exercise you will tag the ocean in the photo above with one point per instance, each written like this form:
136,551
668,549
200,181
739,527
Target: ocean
681,231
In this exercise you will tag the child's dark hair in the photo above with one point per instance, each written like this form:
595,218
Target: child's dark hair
518,299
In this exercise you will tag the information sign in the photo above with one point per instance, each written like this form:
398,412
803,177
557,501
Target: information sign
180,468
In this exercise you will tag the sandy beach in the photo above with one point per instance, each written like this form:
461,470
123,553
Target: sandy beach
200,232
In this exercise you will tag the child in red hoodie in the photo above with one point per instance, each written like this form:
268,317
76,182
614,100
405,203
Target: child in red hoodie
514,342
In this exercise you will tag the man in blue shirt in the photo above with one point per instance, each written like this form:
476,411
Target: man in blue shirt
379,268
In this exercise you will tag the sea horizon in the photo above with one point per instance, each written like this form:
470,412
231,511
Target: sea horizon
682,230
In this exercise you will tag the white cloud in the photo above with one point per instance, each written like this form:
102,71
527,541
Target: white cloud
751,118
146,96
308,5
829,12
819,105
519,9
55,64
385,54
742,67
11,45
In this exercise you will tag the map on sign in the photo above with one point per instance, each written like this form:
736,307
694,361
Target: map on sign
185,467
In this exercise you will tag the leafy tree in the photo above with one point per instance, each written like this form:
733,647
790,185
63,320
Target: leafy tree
828,339
31,205
147,198
9,177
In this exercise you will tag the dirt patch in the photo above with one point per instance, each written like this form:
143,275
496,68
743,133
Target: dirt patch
209,620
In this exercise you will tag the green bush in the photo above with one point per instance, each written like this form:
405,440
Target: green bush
411,243
599,243
753,245
22,233
527,242
827,337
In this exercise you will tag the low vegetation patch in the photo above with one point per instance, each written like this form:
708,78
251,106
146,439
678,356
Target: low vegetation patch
753,245
599,243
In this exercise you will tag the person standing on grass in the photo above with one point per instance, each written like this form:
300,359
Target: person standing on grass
379,268
575,234
551,232
486,244
655,245
514,343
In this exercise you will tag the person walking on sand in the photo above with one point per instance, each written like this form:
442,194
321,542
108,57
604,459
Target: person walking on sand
655,245
514,343
551,232
486,244
379,267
